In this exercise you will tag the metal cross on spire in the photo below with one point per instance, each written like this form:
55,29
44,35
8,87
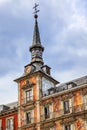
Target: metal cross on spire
36,10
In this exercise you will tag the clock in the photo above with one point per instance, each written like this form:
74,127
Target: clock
36,53
28,69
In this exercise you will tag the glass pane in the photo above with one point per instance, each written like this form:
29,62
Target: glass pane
28,117
66,106
29,95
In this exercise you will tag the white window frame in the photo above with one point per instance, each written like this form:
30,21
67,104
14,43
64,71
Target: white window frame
32,116
66,111
66,126
0,124
12,125
50,111
25,96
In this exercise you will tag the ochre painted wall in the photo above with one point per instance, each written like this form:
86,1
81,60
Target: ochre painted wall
79,125
78,103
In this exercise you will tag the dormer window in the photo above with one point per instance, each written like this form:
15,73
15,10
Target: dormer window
69,86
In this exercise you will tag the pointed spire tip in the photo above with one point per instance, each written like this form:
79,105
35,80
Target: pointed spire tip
35,16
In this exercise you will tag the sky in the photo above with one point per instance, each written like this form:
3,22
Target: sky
63,32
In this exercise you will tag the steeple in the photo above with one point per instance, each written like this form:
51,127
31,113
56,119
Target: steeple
36,49
36,36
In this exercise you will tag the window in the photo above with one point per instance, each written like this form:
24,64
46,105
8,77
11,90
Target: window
46,112
28,117
10,124
69,86
28,95
0,124
67,127
66,107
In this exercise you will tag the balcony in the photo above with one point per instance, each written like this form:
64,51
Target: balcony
48,92
51,115
27,101
28,122
79,109
44,117
10,127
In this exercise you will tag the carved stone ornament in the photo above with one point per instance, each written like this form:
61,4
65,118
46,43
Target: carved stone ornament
28,85
46,102
47,125
67,121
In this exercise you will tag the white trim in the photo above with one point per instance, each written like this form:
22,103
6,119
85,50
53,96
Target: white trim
86,124
8,118
30,89
0,124
32,115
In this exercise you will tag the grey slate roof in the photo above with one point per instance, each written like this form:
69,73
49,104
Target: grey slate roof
9,106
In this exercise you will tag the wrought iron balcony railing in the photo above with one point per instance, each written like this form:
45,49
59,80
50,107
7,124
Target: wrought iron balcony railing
28,121
10,127
71,110
27,100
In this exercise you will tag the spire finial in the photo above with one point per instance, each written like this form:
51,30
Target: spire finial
36,11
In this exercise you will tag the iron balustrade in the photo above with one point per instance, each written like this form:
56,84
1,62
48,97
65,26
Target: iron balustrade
28,121
10,127
47,93
59,113
27,100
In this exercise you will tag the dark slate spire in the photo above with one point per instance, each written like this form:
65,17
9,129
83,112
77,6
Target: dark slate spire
36,36
36,49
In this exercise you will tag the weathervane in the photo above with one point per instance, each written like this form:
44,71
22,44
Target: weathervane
36,10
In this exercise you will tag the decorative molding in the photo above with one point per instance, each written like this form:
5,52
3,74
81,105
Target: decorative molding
28,85
46,102
68,120
66,96
47,125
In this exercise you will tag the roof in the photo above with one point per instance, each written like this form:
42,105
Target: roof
12,105
40,71
72,85
9,106
76,82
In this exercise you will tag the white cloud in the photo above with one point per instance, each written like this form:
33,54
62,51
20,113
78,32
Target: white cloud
2,2
8,88
67,33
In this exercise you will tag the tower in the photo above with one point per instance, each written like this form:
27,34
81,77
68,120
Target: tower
33,84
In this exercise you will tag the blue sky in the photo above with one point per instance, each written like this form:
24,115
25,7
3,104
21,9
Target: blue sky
63,30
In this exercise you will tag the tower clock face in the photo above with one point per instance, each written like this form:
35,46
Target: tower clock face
46,84
28,69
36,53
